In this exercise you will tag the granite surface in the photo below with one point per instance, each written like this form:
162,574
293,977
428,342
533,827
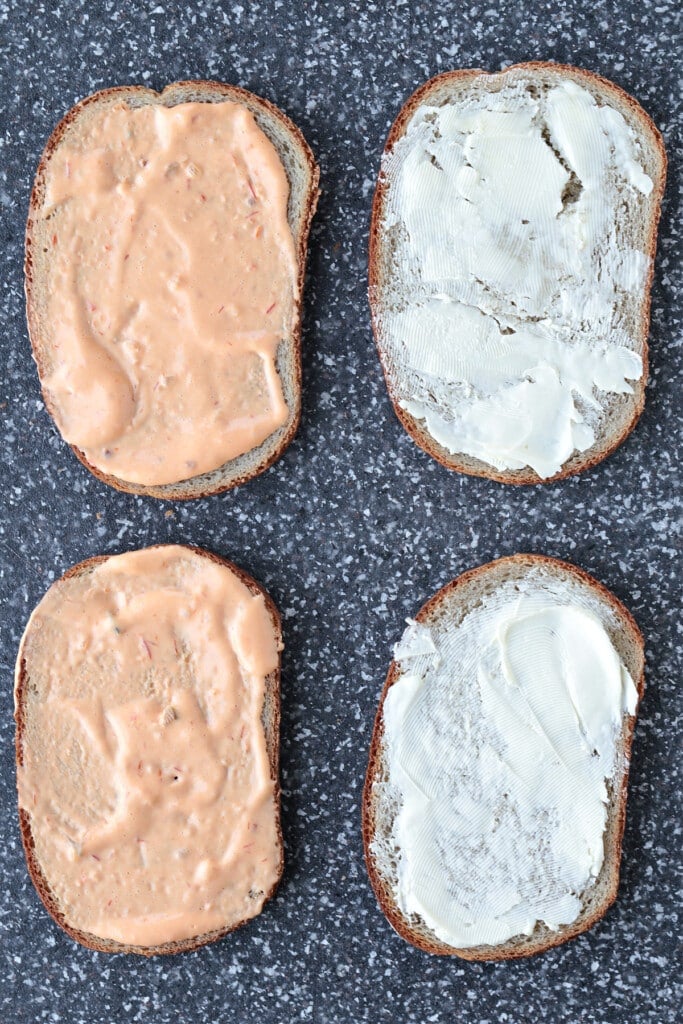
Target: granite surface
352,529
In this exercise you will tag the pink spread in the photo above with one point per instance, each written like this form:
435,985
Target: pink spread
145,769
172,280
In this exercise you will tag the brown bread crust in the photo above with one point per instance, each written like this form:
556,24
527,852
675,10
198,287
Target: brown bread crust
579,461
272,732
543,938
223,478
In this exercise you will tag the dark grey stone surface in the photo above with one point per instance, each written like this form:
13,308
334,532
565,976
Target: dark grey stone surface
352,529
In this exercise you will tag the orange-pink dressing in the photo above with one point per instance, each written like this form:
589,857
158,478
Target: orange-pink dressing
172,280
145,769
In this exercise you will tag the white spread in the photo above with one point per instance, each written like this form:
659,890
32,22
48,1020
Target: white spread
513,264
499,735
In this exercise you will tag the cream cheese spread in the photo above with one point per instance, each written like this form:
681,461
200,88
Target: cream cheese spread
512,266
500,734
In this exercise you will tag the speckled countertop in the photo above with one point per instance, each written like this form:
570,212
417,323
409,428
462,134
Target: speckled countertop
352,529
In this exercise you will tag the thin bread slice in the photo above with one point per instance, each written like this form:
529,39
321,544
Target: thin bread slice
486,865
81,800
302,174
472,300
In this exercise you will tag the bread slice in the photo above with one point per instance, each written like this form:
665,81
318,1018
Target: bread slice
303,175
383,796
399,284
31,688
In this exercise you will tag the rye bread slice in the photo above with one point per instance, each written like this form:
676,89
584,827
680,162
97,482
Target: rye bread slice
303,175
379,807
270,718
620,412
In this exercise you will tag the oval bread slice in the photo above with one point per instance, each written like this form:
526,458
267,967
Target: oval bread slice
302,174
433,408
382,802
75,818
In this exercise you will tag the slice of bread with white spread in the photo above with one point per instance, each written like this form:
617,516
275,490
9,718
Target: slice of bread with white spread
495,798
165,258
511,255
147,705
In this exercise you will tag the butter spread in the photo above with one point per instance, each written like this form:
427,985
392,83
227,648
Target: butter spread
500,734
511,266
145,770
171,281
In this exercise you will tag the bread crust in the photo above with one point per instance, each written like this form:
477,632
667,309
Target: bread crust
272,733
542,938
578,461
266,113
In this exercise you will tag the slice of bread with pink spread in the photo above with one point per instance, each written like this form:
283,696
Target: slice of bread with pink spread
165,262
147,706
